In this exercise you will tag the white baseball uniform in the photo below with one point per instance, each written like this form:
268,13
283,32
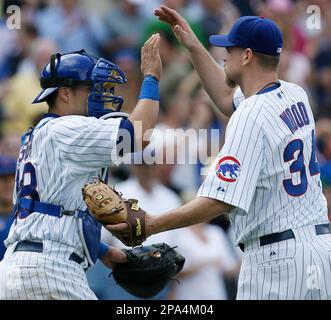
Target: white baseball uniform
64,154
268,170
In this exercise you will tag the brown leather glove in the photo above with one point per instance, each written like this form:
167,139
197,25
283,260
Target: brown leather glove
109,207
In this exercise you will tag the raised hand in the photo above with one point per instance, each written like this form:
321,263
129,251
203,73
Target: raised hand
150,57
180,26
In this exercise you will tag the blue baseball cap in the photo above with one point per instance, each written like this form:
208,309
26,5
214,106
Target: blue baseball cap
7,165
260,34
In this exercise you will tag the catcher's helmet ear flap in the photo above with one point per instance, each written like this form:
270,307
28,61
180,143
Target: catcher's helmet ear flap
67,70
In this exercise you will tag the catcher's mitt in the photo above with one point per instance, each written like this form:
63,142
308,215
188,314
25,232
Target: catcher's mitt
109,207
148,270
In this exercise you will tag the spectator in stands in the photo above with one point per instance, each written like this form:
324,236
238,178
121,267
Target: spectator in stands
71,26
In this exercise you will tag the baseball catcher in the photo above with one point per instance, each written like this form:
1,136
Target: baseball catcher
52,229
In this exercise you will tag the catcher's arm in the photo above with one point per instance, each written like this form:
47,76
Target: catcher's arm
199,210
145,114
112,255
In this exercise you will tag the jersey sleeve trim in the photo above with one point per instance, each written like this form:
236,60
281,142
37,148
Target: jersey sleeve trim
126,138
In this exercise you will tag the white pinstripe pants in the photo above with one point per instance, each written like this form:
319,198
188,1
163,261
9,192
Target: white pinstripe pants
36,276
294,269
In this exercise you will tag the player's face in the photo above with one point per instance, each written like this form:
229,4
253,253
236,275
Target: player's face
79,100
232,64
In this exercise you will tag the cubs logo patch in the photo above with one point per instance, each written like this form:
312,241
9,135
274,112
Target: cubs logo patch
228,169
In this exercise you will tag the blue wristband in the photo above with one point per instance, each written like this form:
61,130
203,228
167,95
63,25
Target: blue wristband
103,248
150,88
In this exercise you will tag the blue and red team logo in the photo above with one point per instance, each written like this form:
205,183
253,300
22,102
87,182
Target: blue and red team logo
228,168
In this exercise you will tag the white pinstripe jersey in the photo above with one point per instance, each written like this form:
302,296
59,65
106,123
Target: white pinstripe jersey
66,153
267,167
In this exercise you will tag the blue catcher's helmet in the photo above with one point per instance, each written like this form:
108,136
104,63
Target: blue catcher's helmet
79,68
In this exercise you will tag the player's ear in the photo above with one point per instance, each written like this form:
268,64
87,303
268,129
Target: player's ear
64,94
247,56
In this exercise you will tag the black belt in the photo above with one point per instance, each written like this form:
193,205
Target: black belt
33,246
288,234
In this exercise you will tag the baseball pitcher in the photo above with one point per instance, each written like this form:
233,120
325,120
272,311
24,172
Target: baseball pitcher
267,174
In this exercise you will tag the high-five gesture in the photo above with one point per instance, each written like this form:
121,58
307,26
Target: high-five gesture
179,25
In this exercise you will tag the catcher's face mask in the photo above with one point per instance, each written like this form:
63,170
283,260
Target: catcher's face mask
102,99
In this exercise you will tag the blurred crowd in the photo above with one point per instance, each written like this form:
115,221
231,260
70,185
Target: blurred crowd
116,30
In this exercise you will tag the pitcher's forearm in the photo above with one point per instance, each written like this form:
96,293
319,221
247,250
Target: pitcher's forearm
212,78
196,211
